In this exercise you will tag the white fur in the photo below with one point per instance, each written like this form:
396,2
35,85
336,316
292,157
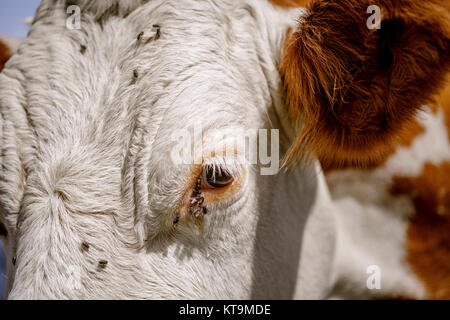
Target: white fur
85,149
85,152
372,224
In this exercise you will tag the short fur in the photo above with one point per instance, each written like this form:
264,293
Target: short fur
428,232
85,157
88,195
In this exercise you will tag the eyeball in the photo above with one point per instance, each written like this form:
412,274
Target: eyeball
215,178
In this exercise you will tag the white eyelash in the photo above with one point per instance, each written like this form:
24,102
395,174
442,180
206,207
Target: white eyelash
230,166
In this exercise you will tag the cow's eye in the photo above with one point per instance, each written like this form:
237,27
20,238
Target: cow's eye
216,178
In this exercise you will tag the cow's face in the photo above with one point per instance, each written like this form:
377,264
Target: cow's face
114,182
102,199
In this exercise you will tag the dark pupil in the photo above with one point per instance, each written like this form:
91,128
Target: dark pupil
217,179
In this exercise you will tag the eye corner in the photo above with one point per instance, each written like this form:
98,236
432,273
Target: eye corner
204,192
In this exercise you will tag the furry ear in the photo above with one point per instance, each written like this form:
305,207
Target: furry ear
353,89
5,54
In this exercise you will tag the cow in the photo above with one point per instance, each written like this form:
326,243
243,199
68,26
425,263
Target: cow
95,205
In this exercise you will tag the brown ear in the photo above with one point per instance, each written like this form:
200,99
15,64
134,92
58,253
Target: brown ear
354,89
5,54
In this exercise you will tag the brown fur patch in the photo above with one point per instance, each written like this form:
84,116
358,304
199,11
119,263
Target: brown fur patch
5,54
289,3
405,138
356,90
443,101
428,236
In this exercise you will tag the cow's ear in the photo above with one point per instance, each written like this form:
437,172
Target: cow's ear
5,54
352,89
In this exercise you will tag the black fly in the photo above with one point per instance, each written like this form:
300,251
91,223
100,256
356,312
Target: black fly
158,31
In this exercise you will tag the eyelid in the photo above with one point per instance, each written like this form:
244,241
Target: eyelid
211,196
217,195
217,184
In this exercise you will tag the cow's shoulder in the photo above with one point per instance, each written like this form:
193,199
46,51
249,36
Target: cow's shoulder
404,203
428,236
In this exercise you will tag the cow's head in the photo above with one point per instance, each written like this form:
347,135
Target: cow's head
99,197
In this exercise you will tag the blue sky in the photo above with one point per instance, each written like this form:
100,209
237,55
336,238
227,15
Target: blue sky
11,14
